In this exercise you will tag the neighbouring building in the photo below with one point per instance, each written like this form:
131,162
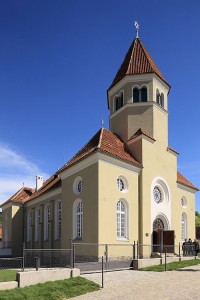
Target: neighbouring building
122,186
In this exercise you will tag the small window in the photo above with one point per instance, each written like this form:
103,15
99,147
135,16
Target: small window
183,202
122,222
136,95
122,184
29,226
157,96
78,185
162,100
37,223
144,94
47,223
183,226
78,219
58,219
119,101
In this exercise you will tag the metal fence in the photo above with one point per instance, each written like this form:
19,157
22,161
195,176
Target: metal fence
47,258
88,257
11,263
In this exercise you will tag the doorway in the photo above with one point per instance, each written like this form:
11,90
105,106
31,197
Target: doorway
162,239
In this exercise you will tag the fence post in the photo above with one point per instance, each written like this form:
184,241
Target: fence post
73,255
179,249
23,259
165,260
106,253
102,272
134,250
137,250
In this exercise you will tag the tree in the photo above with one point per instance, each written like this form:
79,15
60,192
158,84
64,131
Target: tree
197,218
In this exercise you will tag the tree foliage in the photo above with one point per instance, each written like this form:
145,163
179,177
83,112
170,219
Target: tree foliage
197,218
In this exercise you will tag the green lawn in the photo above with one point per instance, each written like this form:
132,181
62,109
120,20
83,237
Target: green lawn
172,266
54,290
7,275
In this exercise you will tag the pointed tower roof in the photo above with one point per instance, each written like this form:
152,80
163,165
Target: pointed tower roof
137,61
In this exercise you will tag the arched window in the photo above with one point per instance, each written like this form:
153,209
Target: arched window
144,94
37,223
121,220
5,230
136,95
29,226
158,224
157,96
183,226
58,219
78,219
119,101
47,223
122,184
162,99
183,202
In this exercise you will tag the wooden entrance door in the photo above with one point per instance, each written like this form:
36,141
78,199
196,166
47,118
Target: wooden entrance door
168,241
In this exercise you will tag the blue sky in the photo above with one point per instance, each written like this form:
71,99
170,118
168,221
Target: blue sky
57,59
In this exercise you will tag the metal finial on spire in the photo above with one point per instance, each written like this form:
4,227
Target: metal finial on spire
137,27
102,123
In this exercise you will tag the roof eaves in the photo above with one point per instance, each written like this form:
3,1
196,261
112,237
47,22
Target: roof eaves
135,163
188,185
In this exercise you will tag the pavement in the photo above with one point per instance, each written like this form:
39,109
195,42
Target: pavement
181,284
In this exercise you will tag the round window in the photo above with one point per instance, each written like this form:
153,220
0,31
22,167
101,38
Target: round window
78,185
157,194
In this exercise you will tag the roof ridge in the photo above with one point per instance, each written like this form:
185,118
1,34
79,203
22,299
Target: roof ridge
100,138
129,64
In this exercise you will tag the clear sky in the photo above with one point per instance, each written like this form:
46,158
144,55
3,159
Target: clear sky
57,59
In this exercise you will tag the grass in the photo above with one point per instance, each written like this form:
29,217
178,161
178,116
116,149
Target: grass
54,290
7,275
172,266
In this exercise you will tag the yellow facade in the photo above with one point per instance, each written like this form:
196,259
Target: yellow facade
110,198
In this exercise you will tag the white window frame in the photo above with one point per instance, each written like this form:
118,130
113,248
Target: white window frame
122,219
29,225
122,184
37,223
78,185
58,219
78,219
47,218
183,226
183,202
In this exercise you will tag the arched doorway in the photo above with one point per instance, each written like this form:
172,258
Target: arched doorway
163,239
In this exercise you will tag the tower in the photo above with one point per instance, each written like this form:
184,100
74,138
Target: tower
138,97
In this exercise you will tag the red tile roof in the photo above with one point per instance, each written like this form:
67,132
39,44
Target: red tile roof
107,142
50,184
137,61
20,196
181,179
139,132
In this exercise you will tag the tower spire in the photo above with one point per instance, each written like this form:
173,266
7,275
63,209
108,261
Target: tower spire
137,27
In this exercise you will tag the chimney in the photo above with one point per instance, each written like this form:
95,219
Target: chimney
39,182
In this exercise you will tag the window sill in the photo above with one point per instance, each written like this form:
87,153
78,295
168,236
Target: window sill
77,239
123,239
